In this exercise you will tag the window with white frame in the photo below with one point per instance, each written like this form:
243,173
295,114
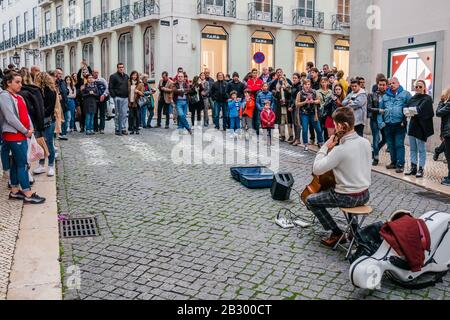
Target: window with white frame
149,52
47,24
72,59
59,59
26,22
306,8
88,54
58,17
263,5
126,50
105,57
87,10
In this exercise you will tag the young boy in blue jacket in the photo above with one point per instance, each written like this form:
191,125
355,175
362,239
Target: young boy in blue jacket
234,111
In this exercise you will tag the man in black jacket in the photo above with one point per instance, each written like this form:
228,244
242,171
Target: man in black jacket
236,85
219,95
373,111
63,91
118,90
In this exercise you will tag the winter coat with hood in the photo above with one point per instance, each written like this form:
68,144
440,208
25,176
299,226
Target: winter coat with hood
219,91
443,112
358,102
393,105
35,104
421,125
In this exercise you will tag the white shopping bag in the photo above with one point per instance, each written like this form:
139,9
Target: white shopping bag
35,151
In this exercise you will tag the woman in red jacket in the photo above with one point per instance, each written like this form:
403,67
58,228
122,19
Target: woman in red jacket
16,128
254,84
268,120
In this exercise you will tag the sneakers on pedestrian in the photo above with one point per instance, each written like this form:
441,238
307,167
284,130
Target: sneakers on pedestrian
39,170
375,162
446,181
102,132
420,173
306,148
34,199
51,172
16,196
64,138
131,132
400,169
137,133
435,156
125,133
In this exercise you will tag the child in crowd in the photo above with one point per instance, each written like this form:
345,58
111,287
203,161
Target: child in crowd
234,112
268,120
248,108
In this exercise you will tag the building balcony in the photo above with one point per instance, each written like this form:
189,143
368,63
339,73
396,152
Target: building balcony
121,15
31,35
2,46
258,12
227,10
44,41
43,3
145,8
8,44
56,37
14,41
100,22
22,38
340,21
70,33
306,18
86,27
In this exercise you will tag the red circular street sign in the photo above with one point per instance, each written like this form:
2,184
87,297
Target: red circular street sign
259,57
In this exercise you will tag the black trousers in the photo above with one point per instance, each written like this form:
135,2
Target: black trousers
360,130
196,108
133,120
100,114
163,107
440,149
447,153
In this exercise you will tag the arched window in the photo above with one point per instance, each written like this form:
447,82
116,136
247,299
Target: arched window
59,59
126,50
214,49
149,52
342,55
305,51
263,41
72,59
105,58
88,54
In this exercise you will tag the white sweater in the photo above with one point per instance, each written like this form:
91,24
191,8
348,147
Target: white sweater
351,163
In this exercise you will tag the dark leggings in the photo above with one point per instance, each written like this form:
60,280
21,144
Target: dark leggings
196,108
447,153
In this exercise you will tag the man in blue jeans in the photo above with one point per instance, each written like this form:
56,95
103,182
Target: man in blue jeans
393,120
373,104
118,90
219,95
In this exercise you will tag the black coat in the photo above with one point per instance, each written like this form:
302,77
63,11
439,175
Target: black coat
50,97
118,85
64,92
443,112
373,103
239,87
35,105
219,91
421,125
296,88
90,100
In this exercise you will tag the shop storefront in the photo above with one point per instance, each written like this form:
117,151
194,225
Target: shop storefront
342,56
305,51
214,49
263,41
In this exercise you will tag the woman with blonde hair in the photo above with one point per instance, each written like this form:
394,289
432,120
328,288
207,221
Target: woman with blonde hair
47,87
420,111
443,112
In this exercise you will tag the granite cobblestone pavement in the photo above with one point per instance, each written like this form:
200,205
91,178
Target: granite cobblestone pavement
191,232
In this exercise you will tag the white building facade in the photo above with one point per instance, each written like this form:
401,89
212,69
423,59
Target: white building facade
152,36
410,41
19,23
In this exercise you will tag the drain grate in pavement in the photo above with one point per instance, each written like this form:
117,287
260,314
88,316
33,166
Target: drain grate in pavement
434,196
78,227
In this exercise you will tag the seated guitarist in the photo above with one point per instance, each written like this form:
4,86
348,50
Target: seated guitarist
350,162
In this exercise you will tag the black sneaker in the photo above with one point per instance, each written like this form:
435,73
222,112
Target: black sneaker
391,166
16,196
63,138
137,133
400,169
131,132
375,162
34,199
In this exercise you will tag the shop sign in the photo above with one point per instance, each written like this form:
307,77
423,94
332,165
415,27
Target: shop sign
263,41
213,36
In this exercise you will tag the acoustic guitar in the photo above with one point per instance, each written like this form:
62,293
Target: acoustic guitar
322,182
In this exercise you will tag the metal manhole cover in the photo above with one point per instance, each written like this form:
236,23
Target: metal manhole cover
78,227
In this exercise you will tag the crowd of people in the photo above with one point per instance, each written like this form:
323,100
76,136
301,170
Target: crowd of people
48,105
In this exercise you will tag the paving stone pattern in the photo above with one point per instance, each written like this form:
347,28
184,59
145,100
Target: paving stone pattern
10,215
191,232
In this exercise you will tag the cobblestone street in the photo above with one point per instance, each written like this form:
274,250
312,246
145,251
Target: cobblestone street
191,232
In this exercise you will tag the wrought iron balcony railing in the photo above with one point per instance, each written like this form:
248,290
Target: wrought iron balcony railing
8,44
22,38
305,18
2,46
145,8
44,41
86,27
100,22
121,15
31,35
340,21
71,33
56,37
258,12
14,41
227,10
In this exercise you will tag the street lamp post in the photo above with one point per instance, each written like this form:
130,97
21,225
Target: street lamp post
16,59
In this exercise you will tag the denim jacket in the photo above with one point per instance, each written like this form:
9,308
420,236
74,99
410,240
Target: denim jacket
393,105
264,96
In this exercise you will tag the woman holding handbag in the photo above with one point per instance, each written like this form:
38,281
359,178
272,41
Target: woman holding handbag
136,91
16,128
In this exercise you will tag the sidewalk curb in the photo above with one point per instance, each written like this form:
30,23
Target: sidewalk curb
35,271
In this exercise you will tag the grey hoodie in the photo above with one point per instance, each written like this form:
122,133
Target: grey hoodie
9,120
358,102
